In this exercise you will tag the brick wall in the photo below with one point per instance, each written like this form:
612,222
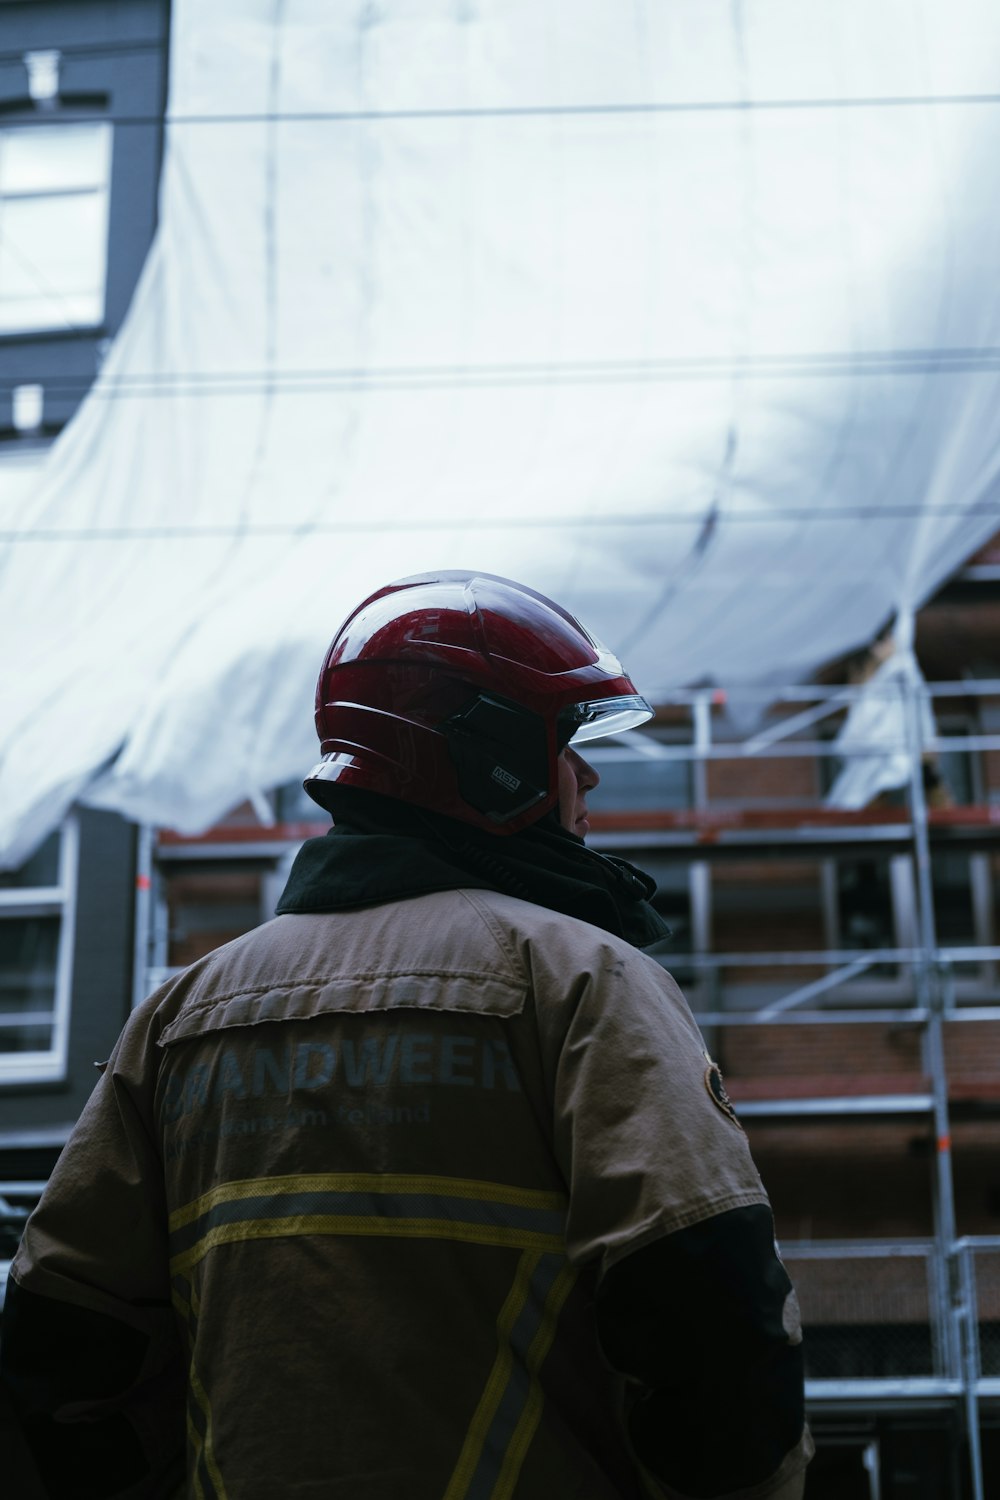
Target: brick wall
764,1061
744,781
846,1178
766,906
853,1177
822,1060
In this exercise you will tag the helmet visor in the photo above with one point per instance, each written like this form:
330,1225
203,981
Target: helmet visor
591,721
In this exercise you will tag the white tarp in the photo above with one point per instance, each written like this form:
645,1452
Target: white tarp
886,727
683,311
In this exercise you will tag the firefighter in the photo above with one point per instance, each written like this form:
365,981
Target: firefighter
426,1189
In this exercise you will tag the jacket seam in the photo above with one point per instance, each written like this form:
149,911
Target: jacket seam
302,981
499,935
475,976
674,1223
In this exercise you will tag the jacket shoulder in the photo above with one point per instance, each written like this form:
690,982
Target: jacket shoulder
556,939
434,951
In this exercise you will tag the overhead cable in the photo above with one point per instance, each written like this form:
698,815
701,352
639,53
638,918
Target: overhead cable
832,515
518,111
92,49
808,364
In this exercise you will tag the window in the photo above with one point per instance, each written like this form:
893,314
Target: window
637,773
54,194
37,904
211,902
17,1199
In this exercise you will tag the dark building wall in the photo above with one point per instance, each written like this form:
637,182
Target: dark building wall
101,986
102,961
114,65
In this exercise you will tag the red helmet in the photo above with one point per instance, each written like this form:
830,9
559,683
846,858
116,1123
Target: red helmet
457,692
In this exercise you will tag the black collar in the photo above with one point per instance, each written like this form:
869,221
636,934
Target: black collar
381,850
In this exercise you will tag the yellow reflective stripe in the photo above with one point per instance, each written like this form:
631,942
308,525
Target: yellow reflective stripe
189,1308
374,1205
485,1412
194,1438
343,1224
208,1451
527,1424
368,1182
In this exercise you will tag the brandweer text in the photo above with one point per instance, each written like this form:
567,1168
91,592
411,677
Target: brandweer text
380,1061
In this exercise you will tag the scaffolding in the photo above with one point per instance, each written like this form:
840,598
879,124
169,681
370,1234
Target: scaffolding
940,1293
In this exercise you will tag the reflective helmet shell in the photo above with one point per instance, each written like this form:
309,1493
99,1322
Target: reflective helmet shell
457,692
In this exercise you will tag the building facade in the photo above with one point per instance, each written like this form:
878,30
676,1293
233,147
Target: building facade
82,99
843,962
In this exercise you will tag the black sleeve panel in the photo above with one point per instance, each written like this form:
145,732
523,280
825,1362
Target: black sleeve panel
697,1320
20,1475
55,1357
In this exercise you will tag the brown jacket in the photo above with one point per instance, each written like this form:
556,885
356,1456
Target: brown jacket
378,1162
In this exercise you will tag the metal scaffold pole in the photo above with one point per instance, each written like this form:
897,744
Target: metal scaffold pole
143,911
699,874
936,993
969,1331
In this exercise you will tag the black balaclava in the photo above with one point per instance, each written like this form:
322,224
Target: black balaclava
383,850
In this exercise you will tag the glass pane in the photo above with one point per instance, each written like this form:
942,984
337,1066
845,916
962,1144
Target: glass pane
25,1039
953,909
639,783
950,777
867,918
28,952
53,258
54,244
48,158
36,314
42,869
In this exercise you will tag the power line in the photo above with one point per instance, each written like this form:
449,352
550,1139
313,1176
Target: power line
900,355
526,111
88,49
808,364
306,529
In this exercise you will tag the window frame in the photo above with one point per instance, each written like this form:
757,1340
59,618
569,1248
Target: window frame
65,117
20,902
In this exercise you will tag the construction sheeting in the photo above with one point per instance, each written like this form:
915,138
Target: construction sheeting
684,312
882,734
